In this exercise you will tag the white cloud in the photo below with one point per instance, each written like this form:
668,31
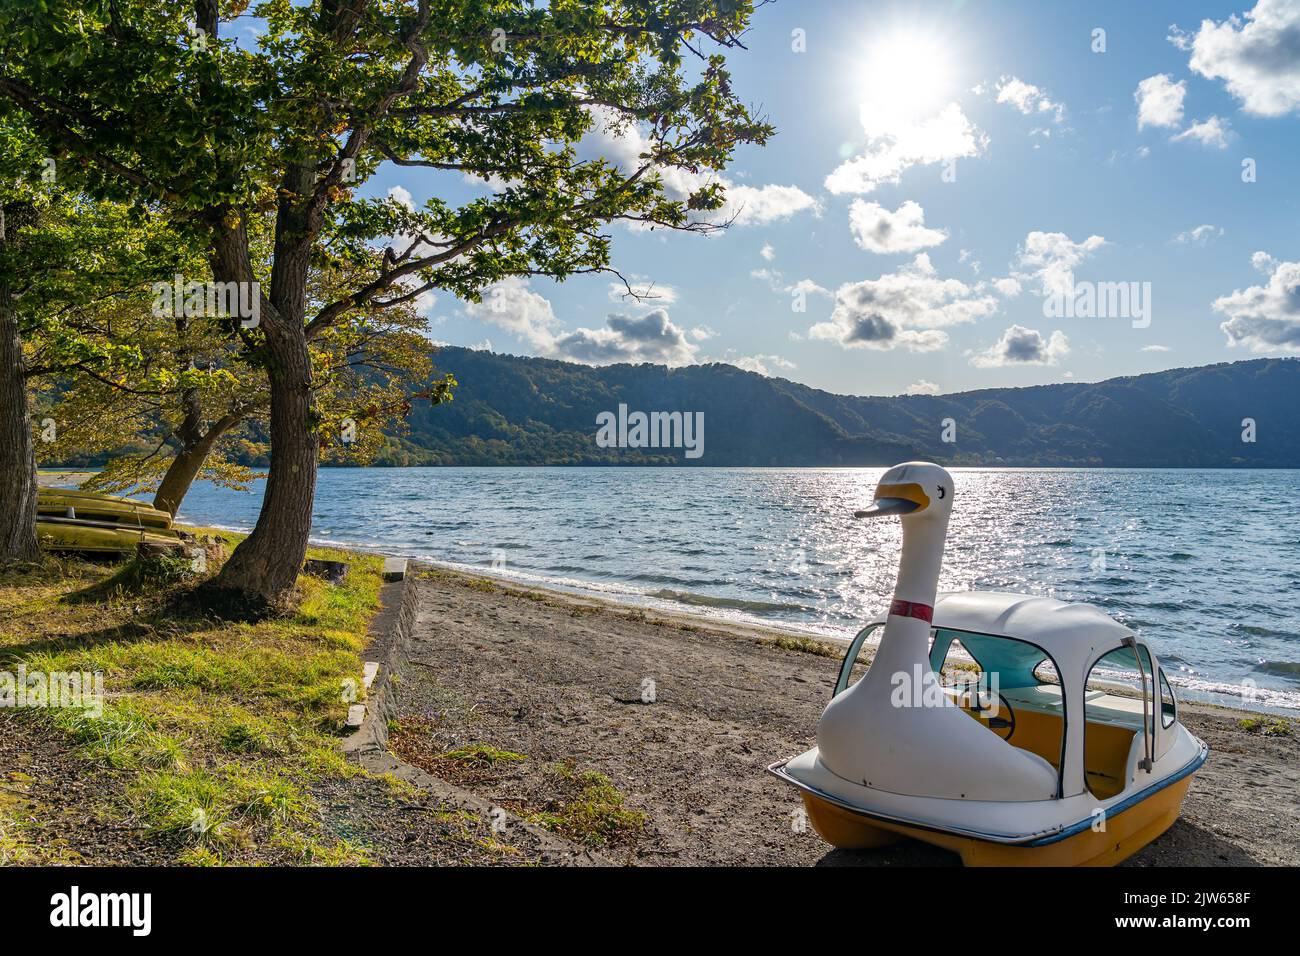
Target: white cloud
1257,55
511,305
809,287
922,387
1210,132
1021,346
1027,98
1155,348
652,292
1200,235
646,338
907,308
759,205
493,182
702,333
1160,101
1265,318
1051,257
762,364
402,195
1007,286
1263,262
876,229
623,144
892,150
767,252
775,280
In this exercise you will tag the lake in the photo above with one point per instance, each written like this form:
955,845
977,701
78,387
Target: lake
1206,564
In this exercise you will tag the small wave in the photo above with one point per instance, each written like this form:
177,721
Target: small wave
665,579
709,600
1245,695
1165,605
1258,630
1283,668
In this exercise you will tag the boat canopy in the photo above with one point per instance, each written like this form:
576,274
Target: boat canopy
1074,635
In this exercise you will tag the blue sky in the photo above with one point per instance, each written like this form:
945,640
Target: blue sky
920,279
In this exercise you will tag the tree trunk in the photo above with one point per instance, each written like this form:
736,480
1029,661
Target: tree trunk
17,454
185,467
265,566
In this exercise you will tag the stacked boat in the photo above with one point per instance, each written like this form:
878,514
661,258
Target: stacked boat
84,521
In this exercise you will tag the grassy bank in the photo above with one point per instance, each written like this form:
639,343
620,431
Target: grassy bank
213,733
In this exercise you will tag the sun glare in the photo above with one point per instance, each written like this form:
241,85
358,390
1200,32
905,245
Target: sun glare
906,76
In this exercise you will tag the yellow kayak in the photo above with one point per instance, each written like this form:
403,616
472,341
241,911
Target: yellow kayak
68,520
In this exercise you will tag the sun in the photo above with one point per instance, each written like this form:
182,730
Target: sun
907,75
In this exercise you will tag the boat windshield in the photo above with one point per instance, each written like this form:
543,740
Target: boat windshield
1017,663
1010,686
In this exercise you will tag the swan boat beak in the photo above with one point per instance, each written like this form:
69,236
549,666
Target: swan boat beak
883,507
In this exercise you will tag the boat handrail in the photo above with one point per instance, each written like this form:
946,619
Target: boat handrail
1147,763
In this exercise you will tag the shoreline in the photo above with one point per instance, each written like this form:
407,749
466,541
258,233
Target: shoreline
1233,690
723,627
588,592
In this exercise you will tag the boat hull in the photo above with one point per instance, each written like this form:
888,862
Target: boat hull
84,539
1124,834
90,523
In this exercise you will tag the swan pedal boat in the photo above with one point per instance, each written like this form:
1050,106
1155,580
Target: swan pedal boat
87,522
1059,745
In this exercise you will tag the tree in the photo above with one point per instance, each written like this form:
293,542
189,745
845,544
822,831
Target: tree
56,253
500,89
189,393
17,460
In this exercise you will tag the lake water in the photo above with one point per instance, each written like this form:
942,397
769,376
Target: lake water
1206,564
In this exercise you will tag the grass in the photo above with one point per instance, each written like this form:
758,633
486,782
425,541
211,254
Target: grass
804,645
1266,726
590,810
217,728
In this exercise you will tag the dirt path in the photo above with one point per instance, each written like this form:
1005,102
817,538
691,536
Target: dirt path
555,680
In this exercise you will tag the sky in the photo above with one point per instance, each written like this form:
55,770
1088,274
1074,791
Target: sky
955,194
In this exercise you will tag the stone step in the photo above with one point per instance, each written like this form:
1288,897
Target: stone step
394,569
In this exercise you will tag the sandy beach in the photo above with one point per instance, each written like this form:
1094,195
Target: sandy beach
562,680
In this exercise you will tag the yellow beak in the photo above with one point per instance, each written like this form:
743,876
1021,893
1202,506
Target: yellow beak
899,499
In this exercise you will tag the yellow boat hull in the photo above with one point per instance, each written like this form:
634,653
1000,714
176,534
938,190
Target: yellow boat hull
93,540
90,523
1125,834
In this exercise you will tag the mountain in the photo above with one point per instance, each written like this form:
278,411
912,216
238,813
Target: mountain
512,410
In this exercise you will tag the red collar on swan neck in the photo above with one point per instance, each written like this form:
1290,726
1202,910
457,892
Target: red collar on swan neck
914,609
